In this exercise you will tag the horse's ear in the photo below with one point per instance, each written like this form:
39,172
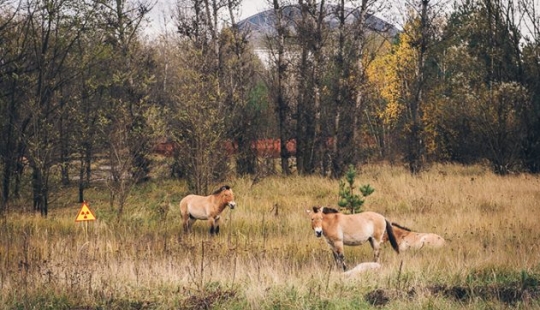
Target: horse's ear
316,209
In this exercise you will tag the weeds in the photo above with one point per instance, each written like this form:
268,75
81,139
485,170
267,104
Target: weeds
266,256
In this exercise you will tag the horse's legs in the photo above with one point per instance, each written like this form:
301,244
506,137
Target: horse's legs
337,250
376,246
340,260
214,225
185,222
188,224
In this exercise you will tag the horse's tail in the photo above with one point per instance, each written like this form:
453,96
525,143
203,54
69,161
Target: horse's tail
391,236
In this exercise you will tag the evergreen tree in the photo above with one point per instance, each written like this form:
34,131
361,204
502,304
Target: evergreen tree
347,197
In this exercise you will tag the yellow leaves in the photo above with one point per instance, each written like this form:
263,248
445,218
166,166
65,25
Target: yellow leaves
392,113
392,75
384,79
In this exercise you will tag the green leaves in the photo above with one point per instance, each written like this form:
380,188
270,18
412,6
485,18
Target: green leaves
347,197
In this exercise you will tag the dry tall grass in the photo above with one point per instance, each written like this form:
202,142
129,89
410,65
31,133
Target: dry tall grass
267,255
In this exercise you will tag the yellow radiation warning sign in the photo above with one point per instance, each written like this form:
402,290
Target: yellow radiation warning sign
85,214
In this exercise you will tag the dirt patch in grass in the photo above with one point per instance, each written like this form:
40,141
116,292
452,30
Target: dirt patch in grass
208,300
379,297
382,297
510,294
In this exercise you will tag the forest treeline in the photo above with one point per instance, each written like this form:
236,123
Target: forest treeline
80,82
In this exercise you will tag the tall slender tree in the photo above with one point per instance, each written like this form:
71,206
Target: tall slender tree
348,80
312,36
280,77
11,148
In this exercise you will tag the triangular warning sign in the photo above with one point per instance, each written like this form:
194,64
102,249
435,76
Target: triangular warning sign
85,214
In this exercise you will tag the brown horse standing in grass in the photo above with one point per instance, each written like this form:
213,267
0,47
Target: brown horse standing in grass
408,239
195,207
354,229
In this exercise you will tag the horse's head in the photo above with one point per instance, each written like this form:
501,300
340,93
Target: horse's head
316,221
227,196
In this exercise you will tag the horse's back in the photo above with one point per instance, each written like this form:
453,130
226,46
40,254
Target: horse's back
366,216
433,240
371,220
195,205
194,199
374,216
187,199
418,241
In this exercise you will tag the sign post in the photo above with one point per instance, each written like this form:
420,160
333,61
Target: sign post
85,215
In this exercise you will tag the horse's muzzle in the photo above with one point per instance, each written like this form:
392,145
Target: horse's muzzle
232,204
318,233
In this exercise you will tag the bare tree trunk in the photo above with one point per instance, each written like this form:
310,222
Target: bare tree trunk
81,180
416,145
40,191
10,156
64,146
359,39
337,158
283,108
311,37
317,150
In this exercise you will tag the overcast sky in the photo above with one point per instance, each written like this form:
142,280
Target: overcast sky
389,11
250,7
163,9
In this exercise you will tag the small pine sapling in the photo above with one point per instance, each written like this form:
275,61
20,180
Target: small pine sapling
347,198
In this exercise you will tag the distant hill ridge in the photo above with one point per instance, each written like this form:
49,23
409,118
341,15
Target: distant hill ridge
261,24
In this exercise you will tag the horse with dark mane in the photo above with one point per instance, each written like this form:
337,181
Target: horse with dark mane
408,239
354,229
195,207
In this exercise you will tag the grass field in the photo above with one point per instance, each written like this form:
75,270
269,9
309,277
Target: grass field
267,257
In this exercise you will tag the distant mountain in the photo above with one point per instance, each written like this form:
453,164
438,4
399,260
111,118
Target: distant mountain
262,24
